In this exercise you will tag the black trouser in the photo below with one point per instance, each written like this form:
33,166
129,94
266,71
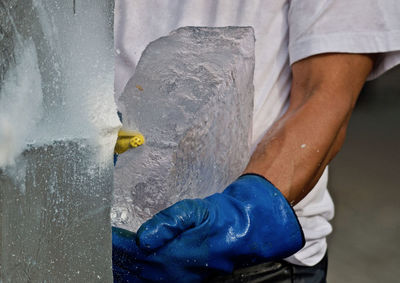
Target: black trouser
278,272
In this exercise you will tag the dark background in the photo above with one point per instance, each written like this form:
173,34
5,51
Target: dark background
365,185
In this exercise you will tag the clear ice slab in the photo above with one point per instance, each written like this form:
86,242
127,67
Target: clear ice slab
58,128
192,98
54,209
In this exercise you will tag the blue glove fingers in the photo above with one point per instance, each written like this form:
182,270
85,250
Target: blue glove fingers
131,264
171,222
124,256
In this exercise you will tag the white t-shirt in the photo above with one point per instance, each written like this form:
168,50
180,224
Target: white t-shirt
286,31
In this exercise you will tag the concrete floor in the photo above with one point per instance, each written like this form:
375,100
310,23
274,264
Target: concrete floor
365,185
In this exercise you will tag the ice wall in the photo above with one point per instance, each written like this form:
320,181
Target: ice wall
58,127
192,98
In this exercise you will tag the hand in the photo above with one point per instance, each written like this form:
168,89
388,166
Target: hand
250,222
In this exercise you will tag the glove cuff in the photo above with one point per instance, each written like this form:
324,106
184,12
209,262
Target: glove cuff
270,185
258,175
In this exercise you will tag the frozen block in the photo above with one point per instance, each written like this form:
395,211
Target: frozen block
55,216
192,98
58,127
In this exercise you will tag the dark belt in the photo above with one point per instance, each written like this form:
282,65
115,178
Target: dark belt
278,272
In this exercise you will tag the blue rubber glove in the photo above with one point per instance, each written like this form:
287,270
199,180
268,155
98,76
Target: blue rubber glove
250,222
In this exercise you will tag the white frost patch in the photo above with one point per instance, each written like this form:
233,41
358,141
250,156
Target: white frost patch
20,103
303,145
102,115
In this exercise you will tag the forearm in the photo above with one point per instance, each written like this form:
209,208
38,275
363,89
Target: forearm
295,151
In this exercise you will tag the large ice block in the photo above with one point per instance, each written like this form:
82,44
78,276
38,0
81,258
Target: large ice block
192,98
54,208
58,127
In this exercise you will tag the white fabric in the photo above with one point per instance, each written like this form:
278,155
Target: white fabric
315,26
356,26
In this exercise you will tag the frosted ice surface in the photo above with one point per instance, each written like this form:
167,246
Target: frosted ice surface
58,127
192,98
54,209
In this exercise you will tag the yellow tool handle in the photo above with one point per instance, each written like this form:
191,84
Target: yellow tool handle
128,139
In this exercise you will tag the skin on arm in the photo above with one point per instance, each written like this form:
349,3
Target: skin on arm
295,151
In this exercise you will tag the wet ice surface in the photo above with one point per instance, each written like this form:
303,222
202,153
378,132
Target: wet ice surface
58,127
192,98
54,209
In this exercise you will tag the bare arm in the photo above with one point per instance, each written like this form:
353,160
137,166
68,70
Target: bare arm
295,151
